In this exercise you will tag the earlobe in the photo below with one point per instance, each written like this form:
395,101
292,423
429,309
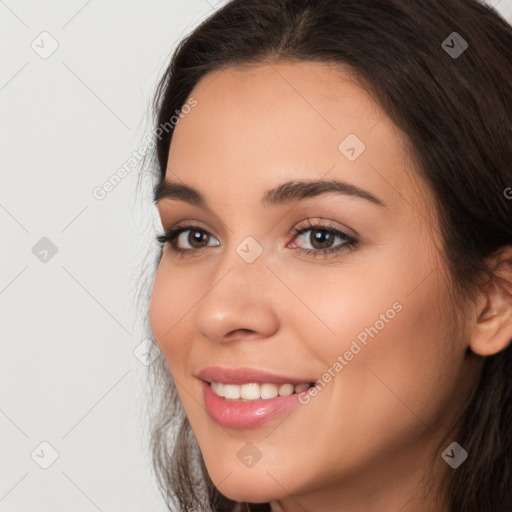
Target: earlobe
492,329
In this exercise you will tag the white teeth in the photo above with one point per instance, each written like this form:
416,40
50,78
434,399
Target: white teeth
254,391
249,391
231,391
286,389
268,391
218,388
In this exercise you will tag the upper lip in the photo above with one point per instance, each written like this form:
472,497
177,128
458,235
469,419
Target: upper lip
245,375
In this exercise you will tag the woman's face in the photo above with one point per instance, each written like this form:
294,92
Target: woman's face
368,321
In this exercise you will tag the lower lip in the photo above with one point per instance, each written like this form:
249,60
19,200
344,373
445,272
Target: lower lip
245,414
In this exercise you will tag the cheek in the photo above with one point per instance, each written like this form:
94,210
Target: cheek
399,360
159,306
382,331
169,303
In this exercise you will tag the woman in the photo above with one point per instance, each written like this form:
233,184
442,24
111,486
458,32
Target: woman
333,294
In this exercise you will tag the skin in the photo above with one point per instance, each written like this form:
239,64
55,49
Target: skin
366,441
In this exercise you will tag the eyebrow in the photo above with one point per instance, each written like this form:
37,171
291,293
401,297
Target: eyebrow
282,194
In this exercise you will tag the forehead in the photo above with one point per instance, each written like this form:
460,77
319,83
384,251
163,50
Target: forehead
255,127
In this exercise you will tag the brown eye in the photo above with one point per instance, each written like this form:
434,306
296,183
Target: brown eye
322,240
197,238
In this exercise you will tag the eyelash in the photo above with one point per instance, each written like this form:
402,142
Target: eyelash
171,235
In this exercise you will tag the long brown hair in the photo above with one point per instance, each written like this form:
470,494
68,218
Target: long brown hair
456,113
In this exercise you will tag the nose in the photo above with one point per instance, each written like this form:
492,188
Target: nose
240,302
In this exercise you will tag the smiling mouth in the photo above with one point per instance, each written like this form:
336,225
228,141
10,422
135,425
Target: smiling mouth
257,391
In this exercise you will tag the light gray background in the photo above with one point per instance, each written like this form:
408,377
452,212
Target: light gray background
69,325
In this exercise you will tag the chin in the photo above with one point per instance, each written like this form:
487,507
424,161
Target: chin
250,485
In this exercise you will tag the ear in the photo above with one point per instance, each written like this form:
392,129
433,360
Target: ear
492,329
